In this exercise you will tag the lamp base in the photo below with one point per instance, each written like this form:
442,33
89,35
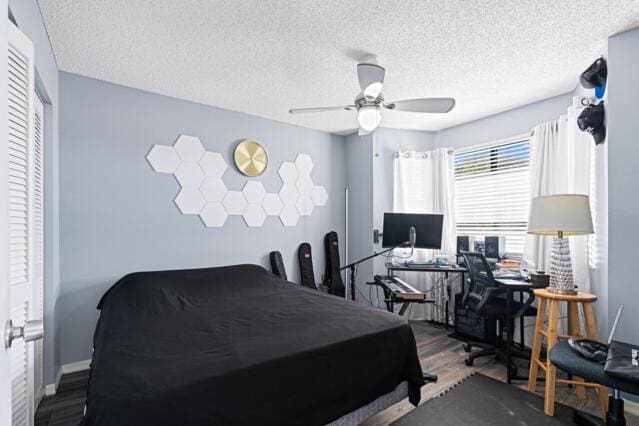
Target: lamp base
555,290
561,277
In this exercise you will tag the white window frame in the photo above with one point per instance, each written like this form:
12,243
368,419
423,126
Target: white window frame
464,230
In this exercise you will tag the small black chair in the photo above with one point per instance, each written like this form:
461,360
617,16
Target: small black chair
488,300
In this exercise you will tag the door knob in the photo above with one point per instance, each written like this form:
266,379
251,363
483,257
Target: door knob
30,331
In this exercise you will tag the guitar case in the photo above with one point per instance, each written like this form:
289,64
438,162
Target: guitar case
305,259
277,264
332,276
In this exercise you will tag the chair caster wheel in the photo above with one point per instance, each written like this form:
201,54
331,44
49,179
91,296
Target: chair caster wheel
467,347
469,362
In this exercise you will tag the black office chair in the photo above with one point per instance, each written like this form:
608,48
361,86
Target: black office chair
488,300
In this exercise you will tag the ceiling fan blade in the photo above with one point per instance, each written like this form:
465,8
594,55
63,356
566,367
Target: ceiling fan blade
427,105
321,109
371,79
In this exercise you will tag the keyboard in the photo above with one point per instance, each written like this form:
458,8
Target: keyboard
401,289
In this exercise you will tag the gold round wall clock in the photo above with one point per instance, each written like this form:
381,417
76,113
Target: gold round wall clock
250,158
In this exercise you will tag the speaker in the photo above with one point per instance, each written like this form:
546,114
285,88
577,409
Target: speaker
494,247
465,243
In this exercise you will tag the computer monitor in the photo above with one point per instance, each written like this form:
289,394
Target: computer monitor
428,229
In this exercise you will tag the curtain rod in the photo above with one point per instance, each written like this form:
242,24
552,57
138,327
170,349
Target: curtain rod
424,154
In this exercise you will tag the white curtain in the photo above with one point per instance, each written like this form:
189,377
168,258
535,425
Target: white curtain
424,182
560,164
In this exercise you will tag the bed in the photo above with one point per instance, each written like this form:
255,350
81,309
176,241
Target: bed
237,345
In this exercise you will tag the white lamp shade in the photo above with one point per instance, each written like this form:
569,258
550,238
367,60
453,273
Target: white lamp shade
567,213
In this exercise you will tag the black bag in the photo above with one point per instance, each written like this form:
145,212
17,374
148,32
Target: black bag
332,276
622,361
306,265
277,265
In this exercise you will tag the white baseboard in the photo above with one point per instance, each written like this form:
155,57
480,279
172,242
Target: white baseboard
631,407
73,367
51,388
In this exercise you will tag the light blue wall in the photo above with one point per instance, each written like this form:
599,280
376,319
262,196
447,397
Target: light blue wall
359,179
506,124
118,216
623,178
29,20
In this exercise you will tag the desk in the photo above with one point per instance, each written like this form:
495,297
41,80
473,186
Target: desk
441,269
511,287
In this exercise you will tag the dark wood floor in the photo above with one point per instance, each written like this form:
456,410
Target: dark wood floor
438,354
66,407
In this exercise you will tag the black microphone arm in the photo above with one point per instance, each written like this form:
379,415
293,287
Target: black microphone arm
412,237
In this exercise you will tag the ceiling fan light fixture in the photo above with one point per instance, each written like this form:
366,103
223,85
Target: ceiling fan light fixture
373,90
369,117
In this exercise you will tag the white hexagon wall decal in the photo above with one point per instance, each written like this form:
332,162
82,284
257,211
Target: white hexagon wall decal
189,175
304,164
304,185
254,191
234,202
189,148
305,205
272,204
288,172
213,164
213,215
289,215
203,192
319,196
163,159
213,189
190,201
254,215
289,194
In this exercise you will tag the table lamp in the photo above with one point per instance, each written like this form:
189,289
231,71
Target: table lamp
560,216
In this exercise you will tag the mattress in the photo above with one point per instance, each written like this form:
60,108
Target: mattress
238,346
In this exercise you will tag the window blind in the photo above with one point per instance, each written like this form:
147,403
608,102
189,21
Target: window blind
492,192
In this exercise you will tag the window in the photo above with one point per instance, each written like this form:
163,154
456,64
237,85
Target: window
492,192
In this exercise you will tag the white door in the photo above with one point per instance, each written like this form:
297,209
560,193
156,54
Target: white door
5,363
22,175
38,244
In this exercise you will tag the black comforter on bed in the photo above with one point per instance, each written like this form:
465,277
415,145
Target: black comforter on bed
238,346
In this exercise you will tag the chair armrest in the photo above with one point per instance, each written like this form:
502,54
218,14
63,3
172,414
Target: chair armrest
527,303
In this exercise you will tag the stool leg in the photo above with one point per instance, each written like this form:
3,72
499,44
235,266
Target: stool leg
573,315
591,333
553,319
536,348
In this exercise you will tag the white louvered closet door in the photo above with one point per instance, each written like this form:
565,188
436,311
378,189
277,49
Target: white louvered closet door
21,217
38,243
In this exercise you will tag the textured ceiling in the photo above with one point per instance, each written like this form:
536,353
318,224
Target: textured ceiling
264,57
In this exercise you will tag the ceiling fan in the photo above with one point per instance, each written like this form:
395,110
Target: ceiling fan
370,101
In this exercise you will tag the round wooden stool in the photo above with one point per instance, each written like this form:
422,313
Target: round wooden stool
552,335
